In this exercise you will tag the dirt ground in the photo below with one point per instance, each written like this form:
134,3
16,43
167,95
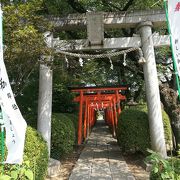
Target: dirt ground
69,162
136,165
134,162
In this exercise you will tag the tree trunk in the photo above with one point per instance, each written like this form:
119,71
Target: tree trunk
169,99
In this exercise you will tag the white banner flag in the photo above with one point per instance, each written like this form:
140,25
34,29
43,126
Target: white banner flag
15,125
174,22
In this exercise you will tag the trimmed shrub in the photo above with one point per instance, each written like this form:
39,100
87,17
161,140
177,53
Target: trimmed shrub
167,130
62,135
133,129
36,152
166,123
74,119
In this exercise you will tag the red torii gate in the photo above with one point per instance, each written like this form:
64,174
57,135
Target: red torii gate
94,98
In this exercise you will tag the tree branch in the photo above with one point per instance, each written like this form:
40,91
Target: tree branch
76,6
139,73
110,5
128,4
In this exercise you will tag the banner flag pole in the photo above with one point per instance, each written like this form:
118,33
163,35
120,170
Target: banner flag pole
171,45
2,141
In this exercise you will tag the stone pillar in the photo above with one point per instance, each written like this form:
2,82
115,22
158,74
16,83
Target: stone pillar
45,103
152,90
45,95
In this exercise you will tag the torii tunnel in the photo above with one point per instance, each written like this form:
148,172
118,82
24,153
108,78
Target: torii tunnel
92,99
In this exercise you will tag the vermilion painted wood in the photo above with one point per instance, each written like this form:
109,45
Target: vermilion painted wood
115,113
92,99
101,97
96,89
85,120
80,119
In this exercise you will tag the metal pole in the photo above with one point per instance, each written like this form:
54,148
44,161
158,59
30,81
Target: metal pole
152,90
173,57
2,141
2,147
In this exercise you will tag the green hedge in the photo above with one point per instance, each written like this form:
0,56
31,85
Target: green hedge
74,119
166,123
36,153
62,135
167,130
133,129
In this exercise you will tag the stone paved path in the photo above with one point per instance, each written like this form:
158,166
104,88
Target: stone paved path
101,158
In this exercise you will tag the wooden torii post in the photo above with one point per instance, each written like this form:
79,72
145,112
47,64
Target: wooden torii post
143,21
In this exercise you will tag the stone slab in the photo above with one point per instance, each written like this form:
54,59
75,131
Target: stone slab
54,168
101,158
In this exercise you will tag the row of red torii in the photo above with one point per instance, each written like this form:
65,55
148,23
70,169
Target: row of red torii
92,99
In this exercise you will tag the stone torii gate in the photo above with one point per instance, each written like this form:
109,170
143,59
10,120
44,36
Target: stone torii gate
143,21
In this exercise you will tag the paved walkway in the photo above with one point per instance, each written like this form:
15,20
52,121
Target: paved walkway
101,158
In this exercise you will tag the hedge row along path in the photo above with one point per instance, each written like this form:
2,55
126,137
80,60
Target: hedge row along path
101,158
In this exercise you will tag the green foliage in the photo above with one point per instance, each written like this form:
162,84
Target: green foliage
167,130
133,130
37,152
62,99
166,124
70,6
163,168
178,152
62,135
57,7
74,119
28,100
23,40
35,158
18,172
5,177
91,75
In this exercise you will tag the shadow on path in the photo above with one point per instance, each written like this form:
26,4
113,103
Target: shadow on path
101,159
